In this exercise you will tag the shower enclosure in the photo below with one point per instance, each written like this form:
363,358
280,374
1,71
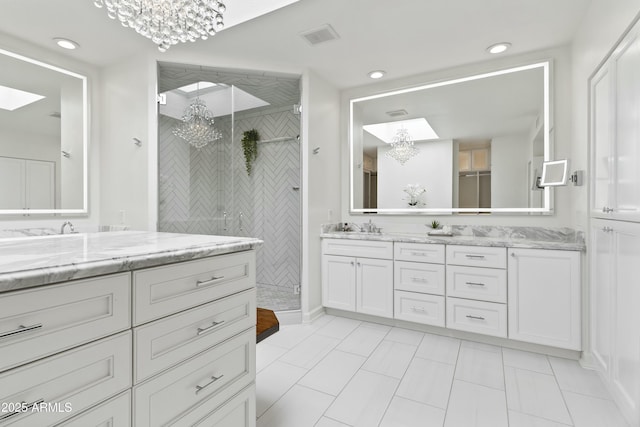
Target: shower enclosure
208,190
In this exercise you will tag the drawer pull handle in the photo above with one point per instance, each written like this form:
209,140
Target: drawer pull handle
475,317
419,279
420,309
209,282
199,388
23,404
475,256
208,328
21,329
419,253
475,284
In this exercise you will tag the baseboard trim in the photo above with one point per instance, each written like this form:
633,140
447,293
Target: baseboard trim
312,315
289,317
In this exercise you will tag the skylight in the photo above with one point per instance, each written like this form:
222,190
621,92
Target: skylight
12,99
193,87
419,130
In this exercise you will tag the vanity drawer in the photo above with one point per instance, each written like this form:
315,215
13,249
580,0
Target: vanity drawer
419,308
358,248
38,322
419,252
209,377
161,291
115,412
166,342
239,411
419,277
487,318
477,256
80,378
485,284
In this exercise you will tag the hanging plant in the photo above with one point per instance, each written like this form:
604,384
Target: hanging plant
250,147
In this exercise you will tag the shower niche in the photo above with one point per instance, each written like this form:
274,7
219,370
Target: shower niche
208,190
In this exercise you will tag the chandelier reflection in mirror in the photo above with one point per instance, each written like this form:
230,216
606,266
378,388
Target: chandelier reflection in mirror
197,125
402,148
168,22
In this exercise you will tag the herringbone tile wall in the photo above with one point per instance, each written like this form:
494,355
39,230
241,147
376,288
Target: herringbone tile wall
197,188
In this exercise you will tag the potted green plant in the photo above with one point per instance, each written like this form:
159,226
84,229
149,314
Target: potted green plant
250,147
435,224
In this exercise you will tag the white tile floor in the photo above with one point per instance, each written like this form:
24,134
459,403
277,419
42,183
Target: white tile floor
339,372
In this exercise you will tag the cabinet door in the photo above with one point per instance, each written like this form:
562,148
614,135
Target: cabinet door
602,276
602,161
544,297
339,282
12,171
40,184
625,366
374,287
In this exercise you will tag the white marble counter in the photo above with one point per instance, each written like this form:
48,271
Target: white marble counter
461,240
32,261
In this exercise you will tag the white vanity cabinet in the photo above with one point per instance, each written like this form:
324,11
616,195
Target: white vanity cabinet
419,283
544,297
357,275
476,289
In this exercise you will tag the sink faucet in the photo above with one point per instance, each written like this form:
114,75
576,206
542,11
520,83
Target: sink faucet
70,227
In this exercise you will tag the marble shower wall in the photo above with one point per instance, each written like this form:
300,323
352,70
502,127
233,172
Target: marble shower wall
197,188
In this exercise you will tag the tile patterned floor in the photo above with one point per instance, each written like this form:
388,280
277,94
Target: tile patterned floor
277,298
339,372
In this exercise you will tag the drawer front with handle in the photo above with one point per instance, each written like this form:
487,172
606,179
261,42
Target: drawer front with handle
485,284
358,248
419,277
239,411
79,378
161,291
38,322
419,252
115,412
166,342
487,318
419,308
477,256
164,399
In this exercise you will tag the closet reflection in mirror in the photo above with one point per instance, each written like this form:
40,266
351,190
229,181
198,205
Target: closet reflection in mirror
478,146
43,137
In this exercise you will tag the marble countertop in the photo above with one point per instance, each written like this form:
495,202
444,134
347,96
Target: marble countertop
460,240
32,261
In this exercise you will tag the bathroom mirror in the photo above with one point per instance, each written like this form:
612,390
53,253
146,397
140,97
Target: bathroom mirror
471,145
43,137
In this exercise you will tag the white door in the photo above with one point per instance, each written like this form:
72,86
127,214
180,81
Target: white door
625,366
12,174
374,287
40,184
602,276
544,297
602,160
339,282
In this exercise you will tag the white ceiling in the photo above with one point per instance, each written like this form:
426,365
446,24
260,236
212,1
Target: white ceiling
403,37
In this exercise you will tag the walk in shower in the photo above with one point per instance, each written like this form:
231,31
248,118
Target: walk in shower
209,191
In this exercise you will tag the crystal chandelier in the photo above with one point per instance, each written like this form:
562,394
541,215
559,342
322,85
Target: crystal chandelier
197,125
167,22
402,148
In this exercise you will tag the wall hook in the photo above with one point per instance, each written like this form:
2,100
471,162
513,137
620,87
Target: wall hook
316,150
66,154
137,142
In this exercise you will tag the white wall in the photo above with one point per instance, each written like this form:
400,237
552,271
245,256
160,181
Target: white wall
509,183
561,123
426,169
321,180
81,221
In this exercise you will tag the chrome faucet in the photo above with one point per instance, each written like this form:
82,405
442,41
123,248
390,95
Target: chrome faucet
70,227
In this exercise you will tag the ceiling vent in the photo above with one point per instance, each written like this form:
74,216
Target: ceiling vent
397,113
319,35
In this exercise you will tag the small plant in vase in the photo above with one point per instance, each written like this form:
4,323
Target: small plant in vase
435,225
415,192
250,147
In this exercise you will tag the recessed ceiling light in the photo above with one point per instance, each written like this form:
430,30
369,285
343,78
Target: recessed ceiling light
377,74
498,47
66,43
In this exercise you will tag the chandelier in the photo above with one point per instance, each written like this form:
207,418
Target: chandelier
402,148
197,125
167,22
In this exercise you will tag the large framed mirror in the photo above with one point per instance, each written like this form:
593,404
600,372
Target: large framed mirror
469,145
43,138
